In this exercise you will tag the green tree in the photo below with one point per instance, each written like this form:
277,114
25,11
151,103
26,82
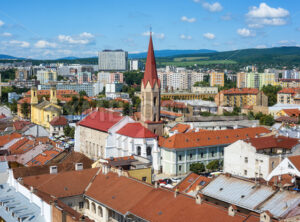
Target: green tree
197,168
267,120
126,109
213,165
271,92
202,84
69,131
82,93
14,106
25,109
59,78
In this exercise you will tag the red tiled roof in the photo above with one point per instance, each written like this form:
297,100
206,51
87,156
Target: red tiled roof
2,116
210,137
18,125
295,161
190,183
16,148
241,91
59,121
292,112
136,130
8,137
181,128
63,184
170,113
24,100
58,92
150,74
10,158
101,120
273,142
289,90
172,103
44,157
287,119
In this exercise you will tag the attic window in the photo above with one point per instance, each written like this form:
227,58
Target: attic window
221,189
113,197
227,137
198,139
247,134
202,183
159,213
242,196
186,140
66,188
218,137
208,138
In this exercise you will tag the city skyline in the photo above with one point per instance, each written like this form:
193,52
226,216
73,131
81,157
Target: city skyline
70,28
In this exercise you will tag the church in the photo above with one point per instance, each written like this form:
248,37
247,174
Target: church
104,134
44,112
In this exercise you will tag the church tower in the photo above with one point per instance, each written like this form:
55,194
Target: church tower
53,98
34,97
150,95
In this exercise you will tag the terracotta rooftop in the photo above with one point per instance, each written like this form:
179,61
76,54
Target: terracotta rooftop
190,183
273,142
2,116
172,103
59,121
136,130
289,90
169,113
63,184
287,119
8,137
44,157
292,112
241,91
19,125
181,128
295,161
209,137
101,120
21,146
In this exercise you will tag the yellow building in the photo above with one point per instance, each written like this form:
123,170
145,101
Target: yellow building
42,113
217,79
241,97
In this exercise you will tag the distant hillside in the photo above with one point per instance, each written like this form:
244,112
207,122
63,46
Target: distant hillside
68,58
276,55
169,52
2,56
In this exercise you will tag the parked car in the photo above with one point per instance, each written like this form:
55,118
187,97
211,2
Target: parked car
176,180
163,182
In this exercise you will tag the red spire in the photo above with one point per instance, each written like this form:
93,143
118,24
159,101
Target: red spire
150,74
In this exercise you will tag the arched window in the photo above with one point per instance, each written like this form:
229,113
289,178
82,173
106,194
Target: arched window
87,204
154,117
100,211
148,150
154,101
138,151
94,208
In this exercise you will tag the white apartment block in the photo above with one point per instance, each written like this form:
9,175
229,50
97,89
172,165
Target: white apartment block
112,60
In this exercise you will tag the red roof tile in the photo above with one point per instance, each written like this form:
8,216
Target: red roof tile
295,161
170,113
241,91
210,137
44,157
273,142
292,112
8,137
2,116
289,90
19,125
150,74
181,128
136,130
172,103
191,182
101,120
59,121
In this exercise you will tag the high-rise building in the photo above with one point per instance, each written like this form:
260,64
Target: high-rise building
46,75
217,79
241,80
112,60
134,64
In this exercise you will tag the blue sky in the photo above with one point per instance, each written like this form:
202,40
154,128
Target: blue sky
60,28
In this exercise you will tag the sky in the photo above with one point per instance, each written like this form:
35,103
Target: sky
44,29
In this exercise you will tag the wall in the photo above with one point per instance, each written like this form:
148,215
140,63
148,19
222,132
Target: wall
140,173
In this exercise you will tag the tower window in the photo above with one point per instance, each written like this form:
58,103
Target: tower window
154,101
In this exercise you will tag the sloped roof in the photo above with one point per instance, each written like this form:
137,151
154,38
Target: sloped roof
295,161
292,112
8,137
20,124
101,120
150,74
44,157
190,182
136,130
169,113
289,90
181,128
210,137
273,142
59,121
63,184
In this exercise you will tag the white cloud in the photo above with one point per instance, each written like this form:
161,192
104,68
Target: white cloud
155,35
44,44
185,37
258,17
209,35
65,51
22,44
283,42
245,32
261,46
213,7
81,39
6,34
186,19
1,23
226,17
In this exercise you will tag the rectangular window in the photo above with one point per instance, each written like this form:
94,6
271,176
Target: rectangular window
80,205
246,159
245,172
202,155
179,168
144,179
212,153
191,156
179,157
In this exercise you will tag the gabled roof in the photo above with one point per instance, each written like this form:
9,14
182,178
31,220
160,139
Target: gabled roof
273,142
170,114
292,112
181,128
44,157
190,182
210,137
59,121
63,184
20,124
289,90
295,161
150,74
101,120
8,137
136,130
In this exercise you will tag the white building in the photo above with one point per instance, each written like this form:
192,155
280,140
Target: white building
257,157
134,65
112,60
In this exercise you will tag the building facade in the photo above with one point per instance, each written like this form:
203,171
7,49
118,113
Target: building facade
217,78
46,75
112,60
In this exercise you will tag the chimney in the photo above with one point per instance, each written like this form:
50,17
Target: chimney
78,166
199,198
155,184
197,129
198,187
232,210
176,192
119,171
53,169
